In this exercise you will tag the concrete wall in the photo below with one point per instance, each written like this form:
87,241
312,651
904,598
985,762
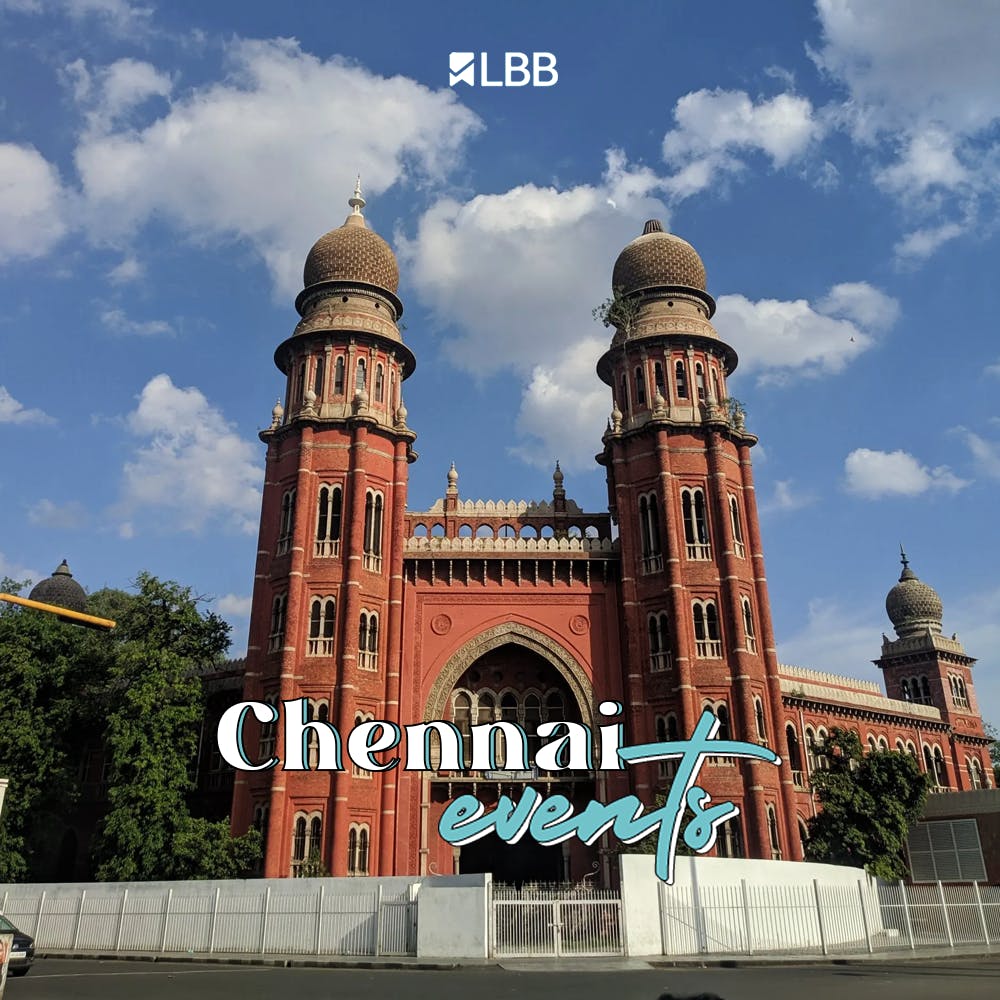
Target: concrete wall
737,905
453,921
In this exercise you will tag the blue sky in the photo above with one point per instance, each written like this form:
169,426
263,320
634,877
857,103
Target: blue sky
165,168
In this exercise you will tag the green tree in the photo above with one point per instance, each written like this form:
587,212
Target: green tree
868,803
162,643
41,668
619,311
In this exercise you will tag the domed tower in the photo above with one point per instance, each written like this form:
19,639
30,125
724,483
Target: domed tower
325,621
60,590
923,666
695,603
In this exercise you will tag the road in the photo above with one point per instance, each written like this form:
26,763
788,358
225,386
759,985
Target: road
53,979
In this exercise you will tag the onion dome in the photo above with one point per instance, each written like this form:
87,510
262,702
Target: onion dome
912,605
660,260
61,590
352,253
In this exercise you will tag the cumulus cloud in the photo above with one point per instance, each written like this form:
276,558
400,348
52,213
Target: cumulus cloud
234,606
109,93
835,638
511,279
782,339
32,203
191,469
876,474
13,412
921,89
64,516
16,570
207,166
116,321
129,269
786,497
715,127
985,453
120,18
993,369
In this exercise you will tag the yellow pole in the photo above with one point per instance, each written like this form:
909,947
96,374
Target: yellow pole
77,617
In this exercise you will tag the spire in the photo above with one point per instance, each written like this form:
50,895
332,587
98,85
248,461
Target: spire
453,479
907,573
357,202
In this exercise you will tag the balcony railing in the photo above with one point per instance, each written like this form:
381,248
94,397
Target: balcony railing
709,649
326,548
283,545
373,563
799,779
319,647
368,661
740,548
652,563
658,662
275,642
700,550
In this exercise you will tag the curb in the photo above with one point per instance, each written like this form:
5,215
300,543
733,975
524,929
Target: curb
270,962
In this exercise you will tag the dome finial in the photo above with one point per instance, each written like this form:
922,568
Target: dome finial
907,573
357,202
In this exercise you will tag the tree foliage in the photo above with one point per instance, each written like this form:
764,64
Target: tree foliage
619,311
139,691
868,803
991,732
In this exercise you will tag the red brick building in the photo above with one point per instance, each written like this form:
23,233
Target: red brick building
478,611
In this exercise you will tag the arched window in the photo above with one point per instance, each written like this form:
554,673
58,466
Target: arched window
361,772
695,516
975,773
307,844
811,755
772,832
940,771
758,711
659,642
360,376
699,379
794,756
287,523
373,531
729,839
715,387
379,383
925,691
338,376
905,689
322,620
319,377
722,714
358,836
708,644
822,761
624,399
532,720
368,641
330,508
649,530
872,744
315,712
640,387
300,383
680,380
734,520
268,733
748,627
661,385
276,639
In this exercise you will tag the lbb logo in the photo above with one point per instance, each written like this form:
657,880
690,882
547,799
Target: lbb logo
542,71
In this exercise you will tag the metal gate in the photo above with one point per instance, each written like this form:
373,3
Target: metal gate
397,928
572,921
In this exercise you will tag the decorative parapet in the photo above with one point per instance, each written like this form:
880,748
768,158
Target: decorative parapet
822,677
514,546
856,699
504,508
922,643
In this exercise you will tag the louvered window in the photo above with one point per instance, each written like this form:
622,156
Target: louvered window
946,851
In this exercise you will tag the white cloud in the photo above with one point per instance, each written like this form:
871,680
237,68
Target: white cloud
13,412
117,322
993,369
118,17
129,269
875,474
64,516
512,279
208,165
16,571
787,497
32,203
109,93
837,639
715,126
922,85
780,339
192,468
986,454
234,605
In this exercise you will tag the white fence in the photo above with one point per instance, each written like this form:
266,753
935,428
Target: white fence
556,922
285,916
746,919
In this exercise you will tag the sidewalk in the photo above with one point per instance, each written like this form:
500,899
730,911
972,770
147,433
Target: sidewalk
601,964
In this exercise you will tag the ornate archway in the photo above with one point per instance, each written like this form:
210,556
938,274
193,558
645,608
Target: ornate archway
511,633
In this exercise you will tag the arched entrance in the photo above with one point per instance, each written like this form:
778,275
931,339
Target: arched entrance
518,682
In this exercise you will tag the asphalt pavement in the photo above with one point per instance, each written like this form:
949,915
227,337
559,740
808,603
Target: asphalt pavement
66,979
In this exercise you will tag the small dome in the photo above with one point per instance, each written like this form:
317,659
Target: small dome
61,590
912,605
352,253
658,259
